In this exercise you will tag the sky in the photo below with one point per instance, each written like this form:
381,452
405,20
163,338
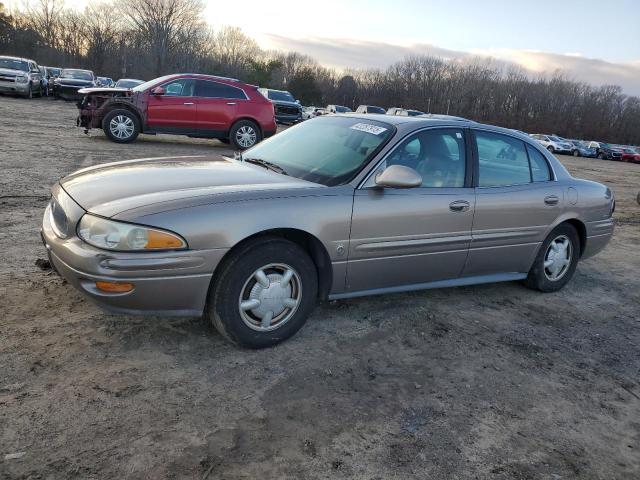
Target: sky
589,40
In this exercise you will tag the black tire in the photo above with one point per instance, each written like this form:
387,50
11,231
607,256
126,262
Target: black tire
236,276
601,156
244,124
551,149
128,118
576,153
538,278
29,94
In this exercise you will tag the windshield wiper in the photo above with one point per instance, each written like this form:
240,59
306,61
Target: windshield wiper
266,164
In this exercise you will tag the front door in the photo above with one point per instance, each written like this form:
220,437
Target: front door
413,236
175,111
516,201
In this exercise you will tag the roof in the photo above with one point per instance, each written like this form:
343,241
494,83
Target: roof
415,123
17,58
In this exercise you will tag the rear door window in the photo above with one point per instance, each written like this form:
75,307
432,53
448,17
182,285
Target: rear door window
502,160
210,89
539,167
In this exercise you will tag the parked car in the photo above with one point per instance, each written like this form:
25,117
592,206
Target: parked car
605,151
553,144
581,149
338,109
370,109
287,109
203,106
312,112
128,83
335,207
105,82
20,76
405,112
70,81
629,154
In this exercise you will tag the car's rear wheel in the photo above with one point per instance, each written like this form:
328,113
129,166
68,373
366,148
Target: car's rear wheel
263,293
244,134
121,126
556,260
551,149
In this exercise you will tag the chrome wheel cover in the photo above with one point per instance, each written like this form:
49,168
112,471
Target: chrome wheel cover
270,297
246,136
121,126
557,258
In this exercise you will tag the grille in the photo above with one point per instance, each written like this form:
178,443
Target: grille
284,110
7,77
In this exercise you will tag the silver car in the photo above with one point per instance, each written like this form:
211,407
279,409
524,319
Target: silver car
336,207
20,76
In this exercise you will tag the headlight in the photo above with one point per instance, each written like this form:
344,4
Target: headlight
22,78
58,219
110,235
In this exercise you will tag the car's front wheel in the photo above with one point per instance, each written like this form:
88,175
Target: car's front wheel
576,153
244,134
29,93
121,126
551,149
263,293
601,156
556,260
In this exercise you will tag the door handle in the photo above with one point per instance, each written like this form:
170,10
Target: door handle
188,103
231,103
459,206
551,200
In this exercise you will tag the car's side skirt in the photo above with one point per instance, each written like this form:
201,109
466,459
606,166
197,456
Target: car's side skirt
454,282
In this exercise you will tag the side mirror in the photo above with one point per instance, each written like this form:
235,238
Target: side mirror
158,91
398,176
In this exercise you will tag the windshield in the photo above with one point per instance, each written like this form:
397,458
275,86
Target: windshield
151,83
326,150
556,139
281,96
77,74
341,109
13,64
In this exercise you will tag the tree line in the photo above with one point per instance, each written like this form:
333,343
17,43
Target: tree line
148,38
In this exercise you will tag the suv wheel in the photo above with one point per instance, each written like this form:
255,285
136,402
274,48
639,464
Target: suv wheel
121,126
264,293
244,134
29,93
556,260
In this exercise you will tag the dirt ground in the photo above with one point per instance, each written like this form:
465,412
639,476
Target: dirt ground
483,382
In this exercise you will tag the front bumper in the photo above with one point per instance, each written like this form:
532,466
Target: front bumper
14,87
165,283
67,91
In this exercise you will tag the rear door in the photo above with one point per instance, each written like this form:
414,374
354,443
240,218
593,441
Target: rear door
175,111
217,106
516,201
402,237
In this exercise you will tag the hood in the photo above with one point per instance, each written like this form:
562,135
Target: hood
159,184
74,82
12,72
285,103
103,90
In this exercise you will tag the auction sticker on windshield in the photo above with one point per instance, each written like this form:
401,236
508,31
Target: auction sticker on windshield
367,127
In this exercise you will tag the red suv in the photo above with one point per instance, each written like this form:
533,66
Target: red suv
202,106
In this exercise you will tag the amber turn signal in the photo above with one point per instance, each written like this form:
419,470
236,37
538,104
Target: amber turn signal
162,240
114,287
